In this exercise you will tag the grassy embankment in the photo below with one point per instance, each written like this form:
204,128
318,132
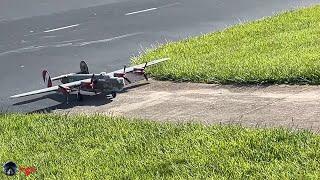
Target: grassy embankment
105,147
280,49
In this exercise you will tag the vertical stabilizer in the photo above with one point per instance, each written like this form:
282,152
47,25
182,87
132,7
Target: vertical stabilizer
84,68
46,78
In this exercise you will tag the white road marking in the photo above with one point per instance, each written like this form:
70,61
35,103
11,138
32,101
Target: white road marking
65,43
60,28
35,48
25,49
70,41
45,37
152,9
3,19
62,45
169,5
106,40
136,12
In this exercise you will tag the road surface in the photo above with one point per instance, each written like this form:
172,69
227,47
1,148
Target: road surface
57,35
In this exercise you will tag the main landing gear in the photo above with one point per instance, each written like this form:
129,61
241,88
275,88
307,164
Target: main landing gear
114,95
79,96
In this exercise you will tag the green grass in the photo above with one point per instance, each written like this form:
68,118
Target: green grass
280,49
100,147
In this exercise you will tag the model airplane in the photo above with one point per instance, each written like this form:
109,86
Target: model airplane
106,83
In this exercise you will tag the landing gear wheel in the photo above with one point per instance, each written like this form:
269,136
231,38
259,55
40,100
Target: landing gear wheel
79,96
114,95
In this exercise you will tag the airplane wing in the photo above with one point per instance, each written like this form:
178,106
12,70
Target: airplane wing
62,76
78,83
53,88
130,69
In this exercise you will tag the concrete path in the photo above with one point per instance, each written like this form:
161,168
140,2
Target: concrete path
272,106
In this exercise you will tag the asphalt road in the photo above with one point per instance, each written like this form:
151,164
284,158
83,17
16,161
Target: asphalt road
57,35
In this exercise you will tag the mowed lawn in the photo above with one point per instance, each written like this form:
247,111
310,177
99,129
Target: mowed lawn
280,49
98,147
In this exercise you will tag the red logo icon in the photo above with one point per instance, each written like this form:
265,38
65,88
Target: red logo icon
10,168
27,170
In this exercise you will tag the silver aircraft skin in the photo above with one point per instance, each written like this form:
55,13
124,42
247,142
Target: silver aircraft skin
107,83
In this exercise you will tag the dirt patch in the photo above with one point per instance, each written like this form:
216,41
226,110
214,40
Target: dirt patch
283,105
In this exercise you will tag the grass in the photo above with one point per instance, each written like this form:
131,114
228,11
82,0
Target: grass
98,147
280,49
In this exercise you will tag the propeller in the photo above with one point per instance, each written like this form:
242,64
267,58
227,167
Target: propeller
93,82
92,78
141,71
144,74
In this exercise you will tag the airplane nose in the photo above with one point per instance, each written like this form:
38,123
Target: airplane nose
121,81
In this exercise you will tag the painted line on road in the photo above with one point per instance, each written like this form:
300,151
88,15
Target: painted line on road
107,40
62,45
70,43
137,12
152,9
46,37
61,28
3,19
25,49
169,5
36,48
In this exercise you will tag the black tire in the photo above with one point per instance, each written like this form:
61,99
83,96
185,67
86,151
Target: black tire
114,95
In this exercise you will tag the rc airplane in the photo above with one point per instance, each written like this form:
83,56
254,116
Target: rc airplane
106,83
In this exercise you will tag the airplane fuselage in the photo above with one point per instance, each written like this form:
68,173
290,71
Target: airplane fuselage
102,83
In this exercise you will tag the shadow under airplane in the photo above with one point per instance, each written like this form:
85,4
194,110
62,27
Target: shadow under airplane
88,100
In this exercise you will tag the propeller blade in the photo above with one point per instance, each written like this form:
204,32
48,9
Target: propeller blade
94,82
92,78
127,80
145,76
124,68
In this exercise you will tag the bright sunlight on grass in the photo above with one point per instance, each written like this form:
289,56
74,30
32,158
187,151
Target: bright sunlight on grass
97,147
280,49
